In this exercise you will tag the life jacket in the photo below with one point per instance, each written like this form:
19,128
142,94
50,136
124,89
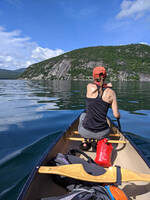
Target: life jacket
116,192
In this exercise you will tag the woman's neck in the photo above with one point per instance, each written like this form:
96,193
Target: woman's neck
99,83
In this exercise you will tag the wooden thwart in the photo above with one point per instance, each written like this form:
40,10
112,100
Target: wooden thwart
77,171
109,141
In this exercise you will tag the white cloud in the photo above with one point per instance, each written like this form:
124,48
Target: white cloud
17,51
144,43
44,53
136,8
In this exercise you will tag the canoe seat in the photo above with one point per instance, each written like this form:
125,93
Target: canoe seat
82,139
111,134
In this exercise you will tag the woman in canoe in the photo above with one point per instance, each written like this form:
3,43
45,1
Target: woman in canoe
99,97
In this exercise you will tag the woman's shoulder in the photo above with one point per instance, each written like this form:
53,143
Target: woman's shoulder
109,91
91,85
107,85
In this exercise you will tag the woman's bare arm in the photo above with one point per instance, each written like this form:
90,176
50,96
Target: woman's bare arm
115,105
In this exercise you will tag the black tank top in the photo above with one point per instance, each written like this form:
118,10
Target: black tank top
96,111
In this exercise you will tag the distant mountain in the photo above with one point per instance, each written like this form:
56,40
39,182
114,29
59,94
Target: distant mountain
124,62
11,74
21,70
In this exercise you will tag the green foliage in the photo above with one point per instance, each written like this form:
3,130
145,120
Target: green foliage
77,71
133,59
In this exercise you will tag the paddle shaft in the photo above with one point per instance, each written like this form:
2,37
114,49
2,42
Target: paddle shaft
119,126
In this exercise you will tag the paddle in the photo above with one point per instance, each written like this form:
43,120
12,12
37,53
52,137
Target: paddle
119,126
110,176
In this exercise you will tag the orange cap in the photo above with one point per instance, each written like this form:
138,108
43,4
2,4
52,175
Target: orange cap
99,70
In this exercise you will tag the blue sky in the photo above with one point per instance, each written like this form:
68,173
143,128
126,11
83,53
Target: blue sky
35,30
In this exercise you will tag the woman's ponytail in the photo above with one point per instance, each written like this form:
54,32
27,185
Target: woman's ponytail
101,86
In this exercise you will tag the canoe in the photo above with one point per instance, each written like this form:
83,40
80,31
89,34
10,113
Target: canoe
125,154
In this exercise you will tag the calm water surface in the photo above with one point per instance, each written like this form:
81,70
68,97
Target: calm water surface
34,113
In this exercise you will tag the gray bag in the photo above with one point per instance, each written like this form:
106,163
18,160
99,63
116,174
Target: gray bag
84,193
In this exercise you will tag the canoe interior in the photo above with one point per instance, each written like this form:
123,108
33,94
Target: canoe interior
124,155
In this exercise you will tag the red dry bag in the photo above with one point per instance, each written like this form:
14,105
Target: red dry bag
103,153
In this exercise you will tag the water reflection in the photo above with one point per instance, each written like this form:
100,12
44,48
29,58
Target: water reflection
64,94
49,95
133,96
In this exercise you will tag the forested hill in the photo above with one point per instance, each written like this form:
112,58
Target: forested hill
126,62
11,74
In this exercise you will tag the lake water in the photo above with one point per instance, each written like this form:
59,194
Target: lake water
33,113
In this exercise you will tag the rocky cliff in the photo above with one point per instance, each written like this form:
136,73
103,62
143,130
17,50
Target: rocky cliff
127,62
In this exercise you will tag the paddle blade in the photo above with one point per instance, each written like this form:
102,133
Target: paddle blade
77,171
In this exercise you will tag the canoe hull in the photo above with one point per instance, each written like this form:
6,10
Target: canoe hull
124,155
